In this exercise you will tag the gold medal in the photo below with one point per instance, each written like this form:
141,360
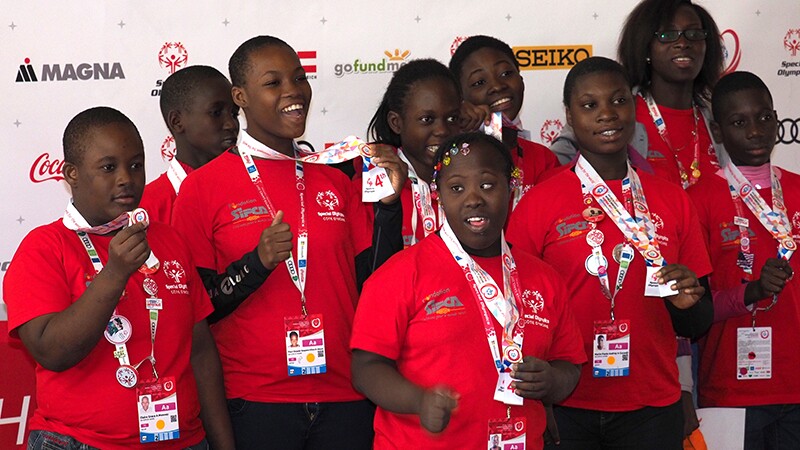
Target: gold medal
696,173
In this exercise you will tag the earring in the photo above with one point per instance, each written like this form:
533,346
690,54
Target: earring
647,60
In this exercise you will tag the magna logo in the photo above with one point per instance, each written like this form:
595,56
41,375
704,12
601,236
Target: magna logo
308,58
44,169
551,57
70,72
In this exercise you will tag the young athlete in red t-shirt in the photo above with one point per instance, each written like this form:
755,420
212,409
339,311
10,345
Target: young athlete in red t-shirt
749,357
424,320
489,76
282,246
112,330
198,109
619,236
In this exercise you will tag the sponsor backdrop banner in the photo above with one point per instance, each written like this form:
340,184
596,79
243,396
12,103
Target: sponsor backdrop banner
58,58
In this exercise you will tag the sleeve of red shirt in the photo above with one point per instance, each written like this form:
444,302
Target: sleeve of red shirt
201,304
693,249
360,216
520,227
567,342
190,219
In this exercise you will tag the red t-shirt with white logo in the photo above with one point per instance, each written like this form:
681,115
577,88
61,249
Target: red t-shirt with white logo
680,125
536,159
418,310
718,385
549,224
48,273
159,196
221,213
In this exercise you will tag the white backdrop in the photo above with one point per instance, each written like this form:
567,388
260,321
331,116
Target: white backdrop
131,42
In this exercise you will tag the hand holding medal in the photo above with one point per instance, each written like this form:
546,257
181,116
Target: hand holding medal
685,284
384,173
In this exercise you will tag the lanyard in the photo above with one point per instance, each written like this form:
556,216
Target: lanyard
639,229
72,220
249,147
775,220
176,174
503,305
687,179
423,205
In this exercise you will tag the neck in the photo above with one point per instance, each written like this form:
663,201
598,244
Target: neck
424,171
493,250
285,146
672,95
189,158
609,167
758,175
510,138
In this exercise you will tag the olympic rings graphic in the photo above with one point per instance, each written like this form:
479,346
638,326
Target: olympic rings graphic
789,131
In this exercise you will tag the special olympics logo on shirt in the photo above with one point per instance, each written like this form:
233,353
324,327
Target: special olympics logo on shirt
173,56
174,271
328,200
168,149
533,300
550,131
657,221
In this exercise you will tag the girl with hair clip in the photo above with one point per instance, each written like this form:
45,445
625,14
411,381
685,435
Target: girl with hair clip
421,353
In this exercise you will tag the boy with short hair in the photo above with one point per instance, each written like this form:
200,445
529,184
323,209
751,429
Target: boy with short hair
750,214
198,109
88,276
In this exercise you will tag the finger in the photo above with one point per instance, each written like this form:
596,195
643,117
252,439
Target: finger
277,220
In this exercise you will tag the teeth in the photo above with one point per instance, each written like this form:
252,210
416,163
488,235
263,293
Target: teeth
609,132
432,148
682,59
500,102
291,108
475,219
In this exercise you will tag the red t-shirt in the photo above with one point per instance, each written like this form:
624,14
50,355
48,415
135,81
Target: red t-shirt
431,324
159,196
535,160
48,273
680,125
718,385
221,213
548,223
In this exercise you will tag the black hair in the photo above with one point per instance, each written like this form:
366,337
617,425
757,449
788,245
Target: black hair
594,64
732,83
637,35
179,88
240,63
294,333
74,140
473,137
472,45
394,99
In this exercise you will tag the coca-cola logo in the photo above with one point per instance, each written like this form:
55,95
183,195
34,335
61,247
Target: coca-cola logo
168,148
44,169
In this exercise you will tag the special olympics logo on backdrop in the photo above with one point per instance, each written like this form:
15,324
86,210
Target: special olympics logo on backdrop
173,56
791,42
550,131
457,43
789,131
731,50
44,169
168,149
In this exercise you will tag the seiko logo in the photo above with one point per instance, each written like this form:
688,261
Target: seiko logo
70,72
243,213
44,169
551,57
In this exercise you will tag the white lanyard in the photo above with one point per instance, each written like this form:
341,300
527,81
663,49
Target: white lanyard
249,147
422,203
639,231
687,179
176,174
502,305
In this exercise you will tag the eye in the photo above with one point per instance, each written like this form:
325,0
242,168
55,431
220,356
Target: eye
456,188
215,112
137,165
426,120
487,186
108,167
478,83
453,119
767,117
738,123
620,101
588,105
302,77
271,83
507,73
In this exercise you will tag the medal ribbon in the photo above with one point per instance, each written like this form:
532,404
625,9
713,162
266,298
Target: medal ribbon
503,306
72,220
423,205
176,174
687,179
349,148
249,147
639,229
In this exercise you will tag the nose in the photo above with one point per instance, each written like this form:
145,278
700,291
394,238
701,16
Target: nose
496,84
606,112
755,129
124,175
473,197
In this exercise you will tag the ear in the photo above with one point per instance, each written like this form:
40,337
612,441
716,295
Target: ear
569,116
716,131
239,96
174,122
70,173
395,121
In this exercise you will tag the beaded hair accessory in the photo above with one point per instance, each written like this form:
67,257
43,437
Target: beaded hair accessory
514,183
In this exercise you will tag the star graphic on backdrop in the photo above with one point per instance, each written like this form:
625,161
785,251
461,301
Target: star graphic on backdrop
595,15
225,22
121,24
17,123
323,20
417,19
508,17
758,12
20,220
12,26
324,111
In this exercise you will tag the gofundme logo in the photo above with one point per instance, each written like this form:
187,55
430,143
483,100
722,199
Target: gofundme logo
389,64
70,72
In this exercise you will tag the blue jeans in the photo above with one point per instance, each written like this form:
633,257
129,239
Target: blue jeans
772,427
302,426
48,440
647,428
